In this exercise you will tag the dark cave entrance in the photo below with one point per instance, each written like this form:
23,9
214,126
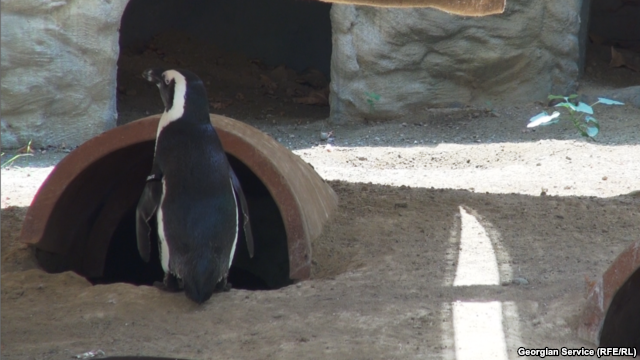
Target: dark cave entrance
268,269
611,24
260,60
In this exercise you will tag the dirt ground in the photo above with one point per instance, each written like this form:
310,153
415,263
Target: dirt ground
556,208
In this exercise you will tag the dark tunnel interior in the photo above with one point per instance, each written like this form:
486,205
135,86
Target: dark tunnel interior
291,32
96,214
609,25
621,326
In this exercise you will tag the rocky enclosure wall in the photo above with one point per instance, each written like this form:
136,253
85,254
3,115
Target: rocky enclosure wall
390,62
59,62
58,70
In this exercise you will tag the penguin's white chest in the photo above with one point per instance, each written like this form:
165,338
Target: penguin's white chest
235,237
164,248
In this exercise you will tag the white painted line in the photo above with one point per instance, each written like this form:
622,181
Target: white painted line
477,264
478,331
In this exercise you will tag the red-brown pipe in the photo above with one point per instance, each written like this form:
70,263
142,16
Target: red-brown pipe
77,208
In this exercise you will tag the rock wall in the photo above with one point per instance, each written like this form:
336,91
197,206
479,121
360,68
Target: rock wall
392,62
59,62
58,70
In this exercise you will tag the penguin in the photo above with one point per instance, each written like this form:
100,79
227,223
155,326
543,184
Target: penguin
192,192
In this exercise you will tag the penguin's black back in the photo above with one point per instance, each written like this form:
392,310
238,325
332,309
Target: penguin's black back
198,199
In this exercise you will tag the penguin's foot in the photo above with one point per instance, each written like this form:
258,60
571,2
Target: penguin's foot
171,283
223,285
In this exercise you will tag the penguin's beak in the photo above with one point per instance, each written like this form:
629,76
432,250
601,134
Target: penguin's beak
154,76
166,89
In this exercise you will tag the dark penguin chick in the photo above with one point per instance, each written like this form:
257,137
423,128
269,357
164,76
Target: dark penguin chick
193,192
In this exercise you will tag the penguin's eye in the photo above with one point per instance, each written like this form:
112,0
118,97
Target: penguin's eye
167,81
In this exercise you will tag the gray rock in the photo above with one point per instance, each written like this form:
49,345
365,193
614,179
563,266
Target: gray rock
416,58
59,70
520,281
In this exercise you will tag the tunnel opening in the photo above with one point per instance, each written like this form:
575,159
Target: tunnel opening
260,60
268,269
102,201
610,43
621,326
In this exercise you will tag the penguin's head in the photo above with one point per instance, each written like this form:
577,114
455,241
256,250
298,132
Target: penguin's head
181,91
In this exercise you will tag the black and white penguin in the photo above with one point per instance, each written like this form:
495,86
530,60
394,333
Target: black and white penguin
197,200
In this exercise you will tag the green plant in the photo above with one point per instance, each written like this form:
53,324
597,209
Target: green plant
16,157
589,128
489,106
372,99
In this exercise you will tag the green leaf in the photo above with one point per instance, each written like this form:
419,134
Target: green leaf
594,121
609,102
536,117
372,96
553,97
16,157
592,131
582,107
543,119
573,96
567,105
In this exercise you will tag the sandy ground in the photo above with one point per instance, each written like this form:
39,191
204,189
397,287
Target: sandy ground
460,235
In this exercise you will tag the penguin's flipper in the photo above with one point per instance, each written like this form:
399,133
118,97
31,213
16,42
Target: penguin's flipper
245,211
147,206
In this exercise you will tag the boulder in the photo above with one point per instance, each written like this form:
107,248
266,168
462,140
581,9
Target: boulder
58,70
392,62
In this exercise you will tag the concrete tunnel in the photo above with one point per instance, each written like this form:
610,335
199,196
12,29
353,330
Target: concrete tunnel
611,317
83,216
